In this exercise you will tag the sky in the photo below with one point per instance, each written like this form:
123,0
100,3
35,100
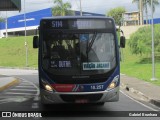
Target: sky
95,6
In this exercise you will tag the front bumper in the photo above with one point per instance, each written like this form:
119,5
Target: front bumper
70,97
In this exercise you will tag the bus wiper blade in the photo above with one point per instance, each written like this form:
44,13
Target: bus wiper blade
91,43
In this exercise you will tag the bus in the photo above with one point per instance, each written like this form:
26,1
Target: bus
78,60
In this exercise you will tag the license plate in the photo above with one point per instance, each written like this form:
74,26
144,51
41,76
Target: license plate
81,101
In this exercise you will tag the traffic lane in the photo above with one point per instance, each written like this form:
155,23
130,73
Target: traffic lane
19,97
73,111
125,102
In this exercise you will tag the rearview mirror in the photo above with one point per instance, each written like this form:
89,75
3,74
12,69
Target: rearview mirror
35,42
122,41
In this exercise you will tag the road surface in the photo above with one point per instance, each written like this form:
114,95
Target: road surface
25,97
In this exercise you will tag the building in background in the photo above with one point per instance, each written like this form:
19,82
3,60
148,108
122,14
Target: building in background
155,21
16,24
131,18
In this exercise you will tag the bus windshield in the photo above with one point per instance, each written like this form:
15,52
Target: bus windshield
77,53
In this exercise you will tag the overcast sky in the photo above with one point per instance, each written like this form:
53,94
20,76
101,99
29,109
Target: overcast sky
96,6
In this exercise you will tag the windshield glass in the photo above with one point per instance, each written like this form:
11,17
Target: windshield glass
74,53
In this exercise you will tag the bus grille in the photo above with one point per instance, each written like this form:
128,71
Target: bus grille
89,97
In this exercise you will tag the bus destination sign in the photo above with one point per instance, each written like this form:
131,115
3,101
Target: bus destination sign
79,24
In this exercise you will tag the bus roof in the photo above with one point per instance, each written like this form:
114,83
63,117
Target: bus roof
77,17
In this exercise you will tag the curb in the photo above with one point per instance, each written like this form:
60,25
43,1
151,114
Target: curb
23,68
155,102
14,82
143,96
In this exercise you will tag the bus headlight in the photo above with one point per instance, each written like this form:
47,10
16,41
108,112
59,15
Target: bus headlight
48,87
112,85
114,82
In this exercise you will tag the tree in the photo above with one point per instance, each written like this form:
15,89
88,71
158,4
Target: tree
116,13
61,9
140,42
2,19
145,4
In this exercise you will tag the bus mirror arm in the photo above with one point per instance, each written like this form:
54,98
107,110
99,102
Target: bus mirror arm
35,42
122,40
36,31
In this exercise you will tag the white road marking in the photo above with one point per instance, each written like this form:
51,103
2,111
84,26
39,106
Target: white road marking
5,102
16,99
13,93
138,102
22,90
37,88
38,92
36,98
22,86
24,81
26,84
35,105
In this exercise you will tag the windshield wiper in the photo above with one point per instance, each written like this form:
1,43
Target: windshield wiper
90,44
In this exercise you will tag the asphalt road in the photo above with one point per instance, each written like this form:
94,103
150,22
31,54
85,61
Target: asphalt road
25,97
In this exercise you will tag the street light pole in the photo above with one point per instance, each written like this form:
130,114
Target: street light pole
153,60
6,22
26,46
141,11
80,8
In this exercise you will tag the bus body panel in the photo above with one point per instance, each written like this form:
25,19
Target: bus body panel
82,97
107,95
78,93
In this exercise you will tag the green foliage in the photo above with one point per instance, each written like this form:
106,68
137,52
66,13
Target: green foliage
139,66
116,13
2,19
13,52
140,42
61,9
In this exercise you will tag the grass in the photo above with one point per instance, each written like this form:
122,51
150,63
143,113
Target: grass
13,52
139,66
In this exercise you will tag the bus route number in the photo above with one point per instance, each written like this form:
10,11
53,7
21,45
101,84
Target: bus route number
57,24
97,87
